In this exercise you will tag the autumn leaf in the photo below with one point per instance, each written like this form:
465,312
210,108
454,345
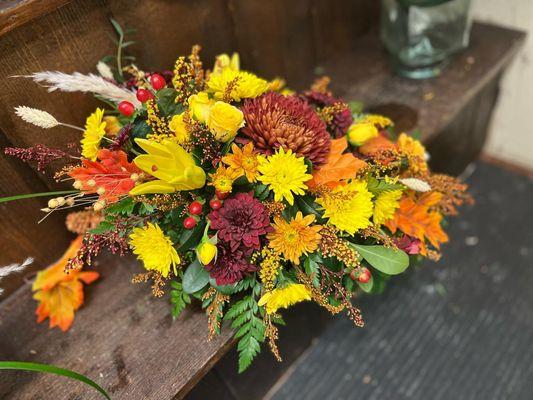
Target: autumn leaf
415,219
338,166
60,294
376,144
110,176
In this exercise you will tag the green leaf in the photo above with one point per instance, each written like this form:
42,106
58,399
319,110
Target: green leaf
32,195
140,129
117,27
166,99
311,269
123,207
384,259
224,289
248,348
191,237
378,186
307,206
178,298
195,277
104,226
51,369
261,191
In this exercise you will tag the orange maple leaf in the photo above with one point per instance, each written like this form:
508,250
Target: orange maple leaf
112,173
376,144
60,294
338,166
414,218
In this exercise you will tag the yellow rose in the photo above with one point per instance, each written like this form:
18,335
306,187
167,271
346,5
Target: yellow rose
206,252
200,104
359,133
224,121
177,126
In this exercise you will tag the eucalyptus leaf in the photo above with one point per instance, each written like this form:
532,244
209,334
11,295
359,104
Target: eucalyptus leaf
384,259
195,277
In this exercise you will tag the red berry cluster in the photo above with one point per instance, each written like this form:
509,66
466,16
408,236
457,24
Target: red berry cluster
362,275
196,208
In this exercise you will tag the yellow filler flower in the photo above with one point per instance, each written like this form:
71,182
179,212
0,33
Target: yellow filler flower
154,249
285,174
93,134
284,297
295,238
348,207
173,167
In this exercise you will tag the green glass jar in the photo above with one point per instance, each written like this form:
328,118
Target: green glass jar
421,35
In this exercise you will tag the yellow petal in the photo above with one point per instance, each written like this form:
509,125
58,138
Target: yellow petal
152,187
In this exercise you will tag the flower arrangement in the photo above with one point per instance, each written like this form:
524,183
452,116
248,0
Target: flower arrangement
238,192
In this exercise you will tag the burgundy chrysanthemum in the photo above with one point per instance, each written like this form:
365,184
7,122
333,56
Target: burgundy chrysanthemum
231,265
241,221
274,120
341,118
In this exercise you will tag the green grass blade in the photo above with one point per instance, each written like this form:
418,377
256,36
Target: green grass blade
31,195
51,369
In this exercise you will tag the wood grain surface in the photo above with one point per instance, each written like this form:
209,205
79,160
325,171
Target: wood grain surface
123,338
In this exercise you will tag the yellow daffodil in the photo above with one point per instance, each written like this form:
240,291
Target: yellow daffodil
173,167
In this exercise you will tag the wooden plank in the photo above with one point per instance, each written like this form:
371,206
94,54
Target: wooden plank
14,13
275,38
123,338
365,75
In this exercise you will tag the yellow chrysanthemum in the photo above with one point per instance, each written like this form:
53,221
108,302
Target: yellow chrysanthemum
284,297
243,161
348,207
154,249
415,153
285,174
295,238
222,179
93,134
179,128
244,85
385,205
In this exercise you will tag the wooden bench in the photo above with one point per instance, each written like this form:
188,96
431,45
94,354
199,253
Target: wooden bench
123,338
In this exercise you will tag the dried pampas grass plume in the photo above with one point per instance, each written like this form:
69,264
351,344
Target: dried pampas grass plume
77,82
36,117
104,70
418,185
13,269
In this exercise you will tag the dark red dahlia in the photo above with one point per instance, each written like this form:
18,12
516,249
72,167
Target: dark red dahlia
241,221
231,265
274,121
336,111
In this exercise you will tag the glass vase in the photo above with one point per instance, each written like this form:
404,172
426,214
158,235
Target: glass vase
421,35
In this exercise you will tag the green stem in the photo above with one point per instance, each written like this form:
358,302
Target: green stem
119,55
51,369
32,195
